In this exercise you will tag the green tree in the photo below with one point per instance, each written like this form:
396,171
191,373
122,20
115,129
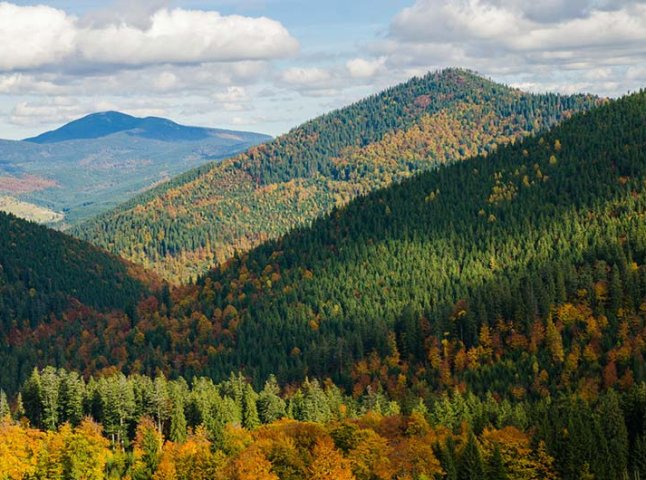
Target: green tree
470,466
72,397
270,406
495,466
5,411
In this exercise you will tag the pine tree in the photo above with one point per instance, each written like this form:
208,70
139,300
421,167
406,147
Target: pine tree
148,448
31,396
615,433
72,397
448,459
49,398
160,401
19,410
639,457
177,422
250,418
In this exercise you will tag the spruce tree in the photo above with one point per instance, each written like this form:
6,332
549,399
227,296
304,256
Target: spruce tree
470,466
270,406
250,418
72,397
615,433
495,466
5,411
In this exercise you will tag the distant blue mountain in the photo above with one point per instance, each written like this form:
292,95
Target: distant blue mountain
103,124
94,163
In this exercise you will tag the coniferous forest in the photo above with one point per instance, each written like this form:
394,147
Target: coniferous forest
474,319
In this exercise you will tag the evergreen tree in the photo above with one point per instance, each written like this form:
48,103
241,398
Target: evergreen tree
72,397
470,466
639,458
270,406
19,410
148,447
5,411
495,466
31,397
49,397
177,422
250,418
615,433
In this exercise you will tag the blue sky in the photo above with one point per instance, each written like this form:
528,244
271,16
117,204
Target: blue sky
268,65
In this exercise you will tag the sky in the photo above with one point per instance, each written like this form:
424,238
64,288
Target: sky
269,65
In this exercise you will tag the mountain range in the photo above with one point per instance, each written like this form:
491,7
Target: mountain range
91,164
445,280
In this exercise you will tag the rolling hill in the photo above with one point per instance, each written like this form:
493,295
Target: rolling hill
540,235
181,228
94,163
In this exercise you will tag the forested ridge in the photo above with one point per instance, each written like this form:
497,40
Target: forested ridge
497,263
202,218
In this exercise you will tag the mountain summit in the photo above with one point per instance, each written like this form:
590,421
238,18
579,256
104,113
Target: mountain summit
103,124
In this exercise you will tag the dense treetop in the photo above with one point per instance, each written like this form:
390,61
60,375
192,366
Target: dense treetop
61,426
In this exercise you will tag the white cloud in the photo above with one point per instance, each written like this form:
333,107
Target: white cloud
19,83
232,94
56,108
551,45
33,37
504,25
306,76
165,81
362,68
187,36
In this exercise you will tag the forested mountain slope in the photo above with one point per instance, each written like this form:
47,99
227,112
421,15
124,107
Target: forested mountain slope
44,273
522,274
497,244
201,218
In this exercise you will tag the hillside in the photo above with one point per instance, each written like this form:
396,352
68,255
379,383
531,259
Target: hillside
46,275
92,164
481,275
183,227
557,221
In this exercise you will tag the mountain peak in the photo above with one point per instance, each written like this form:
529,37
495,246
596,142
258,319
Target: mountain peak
102,124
